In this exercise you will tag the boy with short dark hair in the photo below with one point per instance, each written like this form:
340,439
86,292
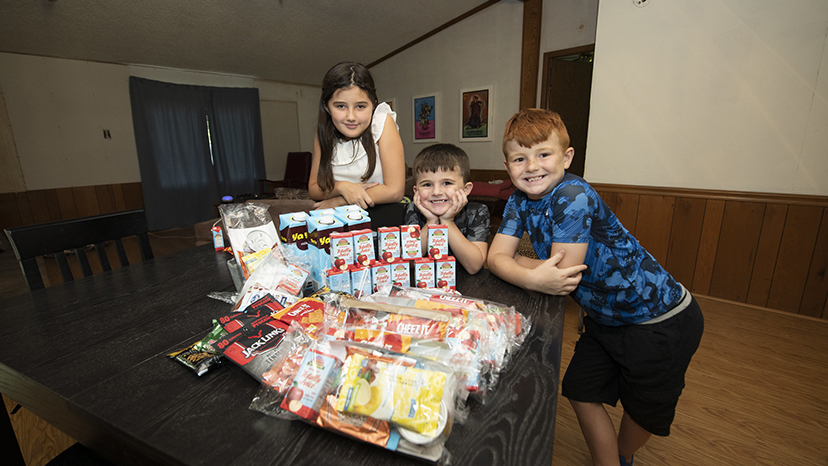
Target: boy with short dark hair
441,189
642,327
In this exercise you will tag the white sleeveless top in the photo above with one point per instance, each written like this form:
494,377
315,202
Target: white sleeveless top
349,157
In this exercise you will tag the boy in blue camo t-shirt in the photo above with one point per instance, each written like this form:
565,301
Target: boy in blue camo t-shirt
642,327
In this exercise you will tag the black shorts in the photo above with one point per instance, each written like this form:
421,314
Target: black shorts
642,365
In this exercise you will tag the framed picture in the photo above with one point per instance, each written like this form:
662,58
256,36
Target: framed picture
476,114
425,117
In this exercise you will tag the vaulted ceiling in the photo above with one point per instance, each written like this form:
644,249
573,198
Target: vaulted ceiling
292,41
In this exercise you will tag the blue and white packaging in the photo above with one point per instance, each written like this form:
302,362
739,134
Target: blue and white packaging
319,243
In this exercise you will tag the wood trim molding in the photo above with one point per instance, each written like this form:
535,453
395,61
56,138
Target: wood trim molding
530,52
742,196
435,31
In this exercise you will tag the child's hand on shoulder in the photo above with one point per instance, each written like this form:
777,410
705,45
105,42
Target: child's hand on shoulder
458,202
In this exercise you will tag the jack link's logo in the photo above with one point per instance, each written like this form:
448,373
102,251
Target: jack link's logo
261,341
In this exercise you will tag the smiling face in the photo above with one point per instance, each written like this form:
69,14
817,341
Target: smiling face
437,188
350,109
538,169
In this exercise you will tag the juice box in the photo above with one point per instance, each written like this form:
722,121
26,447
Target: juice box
360,280
446,273
355,220
380,274
218,238
401,272
389,243
321,212
339,280
411,247
437,241
350,208
364,246
312,383
319,241
424,272
342,249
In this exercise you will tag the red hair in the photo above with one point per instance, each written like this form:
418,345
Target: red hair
532,126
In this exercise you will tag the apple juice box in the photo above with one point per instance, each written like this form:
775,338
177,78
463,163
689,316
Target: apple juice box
380,274
360,280
319,240
446,273
339,280
313,381
293,231
389,243
342,249
401,272
411,247
424,272
437,241
363,246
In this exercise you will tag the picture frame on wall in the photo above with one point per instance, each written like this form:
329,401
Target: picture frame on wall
424,117
476,114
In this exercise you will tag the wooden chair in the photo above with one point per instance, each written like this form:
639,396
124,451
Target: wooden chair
297,172
32,241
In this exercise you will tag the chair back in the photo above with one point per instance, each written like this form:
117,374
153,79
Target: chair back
31,242
297,169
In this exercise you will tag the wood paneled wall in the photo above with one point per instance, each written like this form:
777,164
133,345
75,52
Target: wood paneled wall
768,250
49,205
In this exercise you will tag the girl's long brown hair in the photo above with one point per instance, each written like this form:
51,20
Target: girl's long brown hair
340,76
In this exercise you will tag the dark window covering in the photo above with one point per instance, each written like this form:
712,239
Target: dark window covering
181,181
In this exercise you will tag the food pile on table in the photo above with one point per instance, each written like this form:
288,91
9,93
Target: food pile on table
370,357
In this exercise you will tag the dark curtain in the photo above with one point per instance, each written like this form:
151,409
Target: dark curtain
236,133
181,179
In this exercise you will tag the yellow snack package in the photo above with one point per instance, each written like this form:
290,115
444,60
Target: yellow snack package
391,389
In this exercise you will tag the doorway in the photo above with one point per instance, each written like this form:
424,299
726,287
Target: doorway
567,82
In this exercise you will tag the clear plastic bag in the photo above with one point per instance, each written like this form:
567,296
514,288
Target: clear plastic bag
251,233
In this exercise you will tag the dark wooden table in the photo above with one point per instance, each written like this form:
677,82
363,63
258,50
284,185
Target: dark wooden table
89,357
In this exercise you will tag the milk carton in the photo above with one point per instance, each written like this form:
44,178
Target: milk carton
354,217
446,273
424,272
437,241
293,231
319,244
411,246
389,243
363,246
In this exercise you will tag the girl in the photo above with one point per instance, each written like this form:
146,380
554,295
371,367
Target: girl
357,152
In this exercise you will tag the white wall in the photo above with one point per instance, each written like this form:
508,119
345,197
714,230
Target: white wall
481,50
58,109
565,24
726,95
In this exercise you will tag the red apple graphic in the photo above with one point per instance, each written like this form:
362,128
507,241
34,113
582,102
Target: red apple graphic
362,259
396,283
340,264
294,397
442,284
387,256
415,233
421,285
435,253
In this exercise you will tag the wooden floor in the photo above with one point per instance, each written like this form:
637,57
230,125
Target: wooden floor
757,389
